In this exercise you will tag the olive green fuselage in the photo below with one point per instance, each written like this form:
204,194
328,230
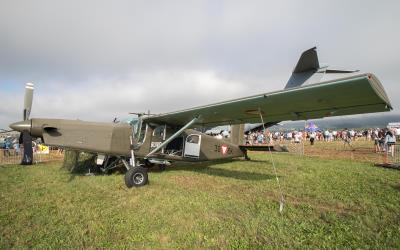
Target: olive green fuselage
115,139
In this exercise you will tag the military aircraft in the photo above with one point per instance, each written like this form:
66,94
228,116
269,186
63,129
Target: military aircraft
164,138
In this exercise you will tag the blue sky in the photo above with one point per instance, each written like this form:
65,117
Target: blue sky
95,60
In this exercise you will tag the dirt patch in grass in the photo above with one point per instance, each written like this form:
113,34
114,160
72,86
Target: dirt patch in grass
357,153
360,150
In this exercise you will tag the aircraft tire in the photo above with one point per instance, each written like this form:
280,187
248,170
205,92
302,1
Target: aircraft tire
136,177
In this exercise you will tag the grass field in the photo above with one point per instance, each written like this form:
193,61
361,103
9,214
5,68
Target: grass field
329,204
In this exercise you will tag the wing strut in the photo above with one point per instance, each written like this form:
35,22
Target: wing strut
282,200
172,137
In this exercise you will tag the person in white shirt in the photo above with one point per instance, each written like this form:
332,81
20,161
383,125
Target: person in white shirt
352,134
397,133
330,136
289,136
334,133
326,135
297,138
390,140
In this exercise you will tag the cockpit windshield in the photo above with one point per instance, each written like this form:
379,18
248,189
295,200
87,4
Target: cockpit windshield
138,128
136,123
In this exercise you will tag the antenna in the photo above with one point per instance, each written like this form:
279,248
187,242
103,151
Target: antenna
142,113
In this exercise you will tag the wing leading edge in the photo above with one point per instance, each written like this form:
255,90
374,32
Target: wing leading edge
355,94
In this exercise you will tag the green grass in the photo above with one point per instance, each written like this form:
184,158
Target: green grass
329,204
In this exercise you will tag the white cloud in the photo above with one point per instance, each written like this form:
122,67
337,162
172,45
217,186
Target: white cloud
97,59
103,99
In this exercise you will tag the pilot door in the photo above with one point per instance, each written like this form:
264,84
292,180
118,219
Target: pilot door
192,146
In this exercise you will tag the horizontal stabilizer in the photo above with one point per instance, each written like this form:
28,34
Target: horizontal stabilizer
339,71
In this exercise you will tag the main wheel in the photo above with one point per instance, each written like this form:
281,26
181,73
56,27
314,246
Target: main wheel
136,176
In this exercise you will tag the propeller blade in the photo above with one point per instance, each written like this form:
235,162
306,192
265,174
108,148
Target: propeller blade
21,139
28,100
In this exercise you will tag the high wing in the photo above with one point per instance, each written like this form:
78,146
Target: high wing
356,94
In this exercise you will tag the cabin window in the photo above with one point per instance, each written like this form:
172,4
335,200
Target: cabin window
193,139
159,131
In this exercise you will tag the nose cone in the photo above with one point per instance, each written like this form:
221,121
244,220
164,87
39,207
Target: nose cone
21,126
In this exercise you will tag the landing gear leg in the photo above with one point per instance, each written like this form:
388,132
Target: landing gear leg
109,164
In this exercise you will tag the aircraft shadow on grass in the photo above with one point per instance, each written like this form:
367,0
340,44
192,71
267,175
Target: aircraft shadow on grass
205,168
202,168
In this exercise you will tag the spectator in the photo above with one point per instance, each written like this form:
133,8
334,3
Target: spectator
397,133
334,133
17,149
330,136
326,135
390,140
297,138
352,134
7,147
376,141
381,136
260,138
312,138
289,136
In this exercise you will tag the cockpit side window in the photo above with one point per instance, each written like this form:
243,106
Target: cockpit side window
142,134
159,131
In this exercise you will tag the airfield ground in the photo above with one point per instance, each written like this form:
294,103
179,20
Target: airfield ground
343,202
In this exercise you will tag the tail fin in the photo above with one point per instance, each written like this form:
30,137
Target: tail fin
308,61
237,134
308,70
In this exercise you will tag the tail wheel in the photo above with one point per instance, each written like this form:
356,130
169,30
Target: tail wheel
136,177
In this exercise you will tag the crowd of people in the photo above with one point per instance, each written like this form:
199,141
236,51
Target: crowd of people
383,138
10,145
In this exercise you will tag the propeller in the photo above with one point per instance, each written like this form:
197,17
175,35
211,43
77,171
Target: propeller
25,136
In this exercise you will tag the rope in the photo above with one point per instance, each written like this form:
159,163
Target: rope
282,200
